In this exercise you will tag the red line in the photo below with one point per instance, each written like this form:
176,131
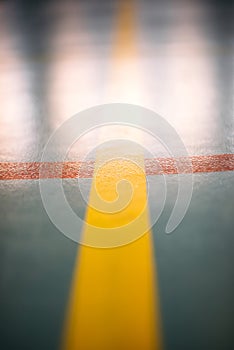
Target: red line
71,170
200,164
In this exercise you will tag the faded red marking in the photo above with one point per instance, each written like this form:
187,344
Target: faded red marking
52,170
71,170
200,164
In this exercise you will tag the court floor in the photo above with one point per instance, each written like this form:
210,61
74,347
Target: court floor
160,291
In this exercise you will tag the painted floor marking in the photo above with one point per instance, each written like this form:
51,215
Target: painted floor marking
71,170
113,303
114,299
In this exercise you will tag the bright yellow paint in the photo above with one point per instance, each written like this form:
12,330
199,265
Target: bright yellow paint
117,201
112,304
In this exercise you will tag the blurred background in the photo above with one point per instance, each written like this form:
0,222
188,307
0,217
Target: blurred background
57,59
60,57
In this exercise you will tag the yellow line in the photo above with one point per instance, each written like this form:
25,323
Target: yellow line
125,44
114,301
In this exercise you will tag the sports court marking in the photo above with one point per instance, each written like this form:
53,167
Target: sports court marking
71,170
114,299
114,302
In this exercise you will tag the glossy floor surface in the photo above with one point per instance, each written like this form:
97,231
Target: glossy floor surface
59,58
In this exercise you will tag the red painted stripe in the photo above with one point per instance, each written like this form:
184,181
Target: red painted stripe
200,164
71,170
36,170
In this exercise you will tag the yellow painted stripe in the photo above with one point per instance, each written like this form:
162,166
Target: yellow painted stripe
114,299
125,45
113,303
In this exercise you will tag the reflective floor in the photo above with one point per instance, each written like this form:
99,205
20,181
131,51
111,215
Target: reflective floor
175,58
